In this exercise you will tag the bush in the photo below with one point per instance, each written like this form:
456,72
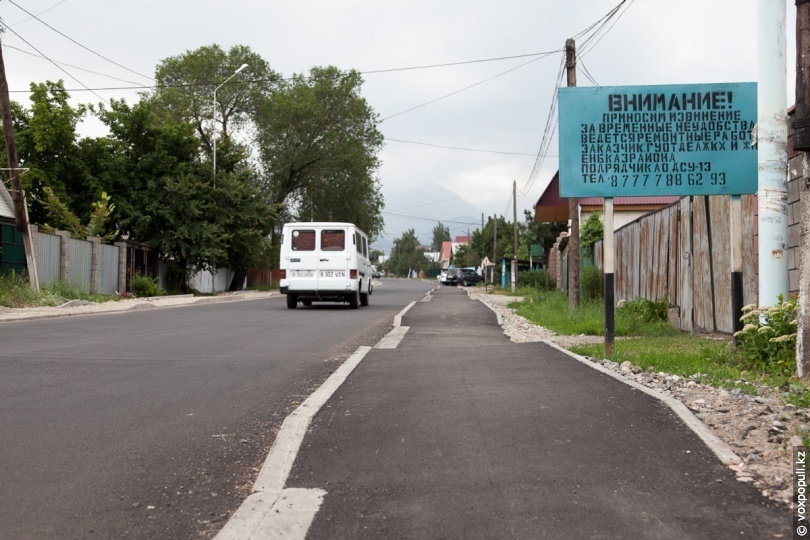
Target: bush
144,286
768,339
591,284
537,279
646,310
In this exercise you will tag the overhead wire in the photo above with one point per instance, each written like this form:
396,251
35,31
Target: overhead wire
75,67
40,13
77,43
464,149
465,88
55,64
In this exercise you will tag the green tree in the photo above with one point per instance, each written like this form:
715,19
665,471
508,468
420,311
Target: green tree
591,232
319,143
406,255
47,145
441,234
185,95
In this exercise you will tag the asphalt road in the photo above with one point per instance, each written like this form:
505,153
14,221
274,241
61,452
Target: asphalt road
459,433
153,424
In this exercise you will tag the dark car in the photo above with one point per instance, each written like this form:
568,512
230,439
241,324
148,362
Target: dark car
376,274
463,276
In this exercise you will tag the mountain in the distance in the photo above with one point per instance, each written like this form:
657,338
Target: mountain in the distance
421,209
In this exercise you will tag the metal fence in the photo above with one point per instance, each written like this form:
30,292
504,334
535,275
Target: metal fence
108,269
81,262
48,246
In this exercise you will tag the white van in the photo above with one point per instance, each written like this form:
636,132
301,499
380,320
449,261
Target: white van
325,262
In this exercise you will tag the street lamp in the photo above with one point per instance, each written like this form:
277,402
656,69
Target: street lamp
214,134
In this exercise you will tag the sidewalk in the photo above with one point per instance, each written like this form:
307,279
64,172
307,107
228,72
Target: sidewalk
459,433
78,307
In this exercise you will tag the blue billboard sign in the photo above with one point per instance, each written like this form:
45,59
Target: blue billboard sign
635,141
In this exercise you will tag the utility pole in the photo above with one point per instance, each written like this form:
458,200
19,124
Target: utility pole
494,246
515,259
573,202
801,142
17,193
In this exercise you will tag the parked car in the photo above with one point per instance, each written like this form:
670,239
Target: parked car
376,274
442,277
463,277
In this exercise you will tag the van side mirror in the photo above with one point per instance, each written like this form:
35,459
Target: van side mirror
375,257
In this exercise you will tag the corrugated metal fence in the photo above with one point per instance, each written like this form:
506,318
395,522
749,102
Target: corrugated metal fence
684,251
108,269
48,258
81,262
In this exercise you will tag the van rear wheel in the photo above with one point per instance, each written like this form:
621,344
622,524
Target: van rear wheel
292,301
354,300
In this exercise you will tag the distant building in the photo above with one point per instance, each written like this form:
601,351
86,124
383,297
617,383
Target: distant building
551,207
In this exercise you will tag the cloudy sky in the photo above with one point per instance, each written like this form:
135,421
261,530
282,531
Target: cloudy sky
457,136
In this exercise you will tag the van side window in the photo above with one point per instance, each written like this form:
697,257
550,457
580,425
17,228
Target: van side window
365,248
358,243
303,240
333,240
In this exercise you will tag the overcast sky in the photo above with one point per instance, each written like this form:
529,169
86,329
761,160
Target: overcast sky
503,116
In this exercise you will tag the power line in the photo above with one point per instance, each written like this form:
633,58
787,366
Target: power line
40,13
57,65
464,149
72,66
458,63
77,43
465,88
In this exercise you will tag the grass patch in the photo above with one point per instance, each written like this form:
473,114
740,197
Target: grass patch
15,292
655,345
550,310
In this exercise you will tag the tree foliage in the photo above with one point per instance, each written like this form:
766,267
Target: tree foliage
406,255
318,142
441,234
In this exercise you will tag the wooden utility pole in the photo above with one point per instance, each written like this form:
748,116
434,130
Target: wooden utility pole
573,202
801,142
515,259
17,193
494,247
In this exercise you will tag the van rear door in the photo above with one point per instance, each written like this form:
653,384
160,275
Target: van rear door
302,267
333,259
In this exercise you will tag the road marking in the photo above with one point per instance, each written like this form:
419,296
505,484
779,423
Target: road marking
393,338
271,508
271,511
398,317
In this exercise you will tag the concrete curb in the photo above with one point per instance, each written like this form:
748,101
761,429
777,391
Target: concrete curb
73,308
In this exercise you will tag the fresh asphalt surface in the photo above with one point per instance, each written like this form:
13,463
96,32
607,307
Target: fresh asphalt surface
153,423
459,433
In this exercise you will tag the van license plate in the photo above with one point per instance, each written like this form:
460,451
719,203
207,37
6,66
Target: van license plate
303,274
332,273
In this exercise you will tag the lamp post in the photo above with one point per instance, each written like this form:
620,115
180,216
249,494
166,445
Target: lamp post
214,134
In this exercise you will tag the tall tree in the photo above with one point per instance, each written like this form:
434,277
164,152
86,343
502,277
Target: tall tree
47,145
318,142
185,94
441,234
406,255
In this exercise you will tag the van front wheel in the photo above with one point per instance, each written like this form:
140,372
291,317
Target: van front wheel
364,299
354,299
292,301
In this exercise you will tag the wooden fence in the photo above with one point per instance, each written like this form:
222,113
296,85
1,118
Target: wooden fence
684,251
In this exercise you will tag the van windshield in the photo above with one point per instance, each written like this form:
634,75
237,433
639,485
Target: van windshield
333,240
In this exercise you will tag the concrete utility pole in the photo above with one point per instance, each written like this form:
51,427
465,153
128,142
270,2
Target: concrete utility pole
772,151
494,246
17,193
573,202
801,142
